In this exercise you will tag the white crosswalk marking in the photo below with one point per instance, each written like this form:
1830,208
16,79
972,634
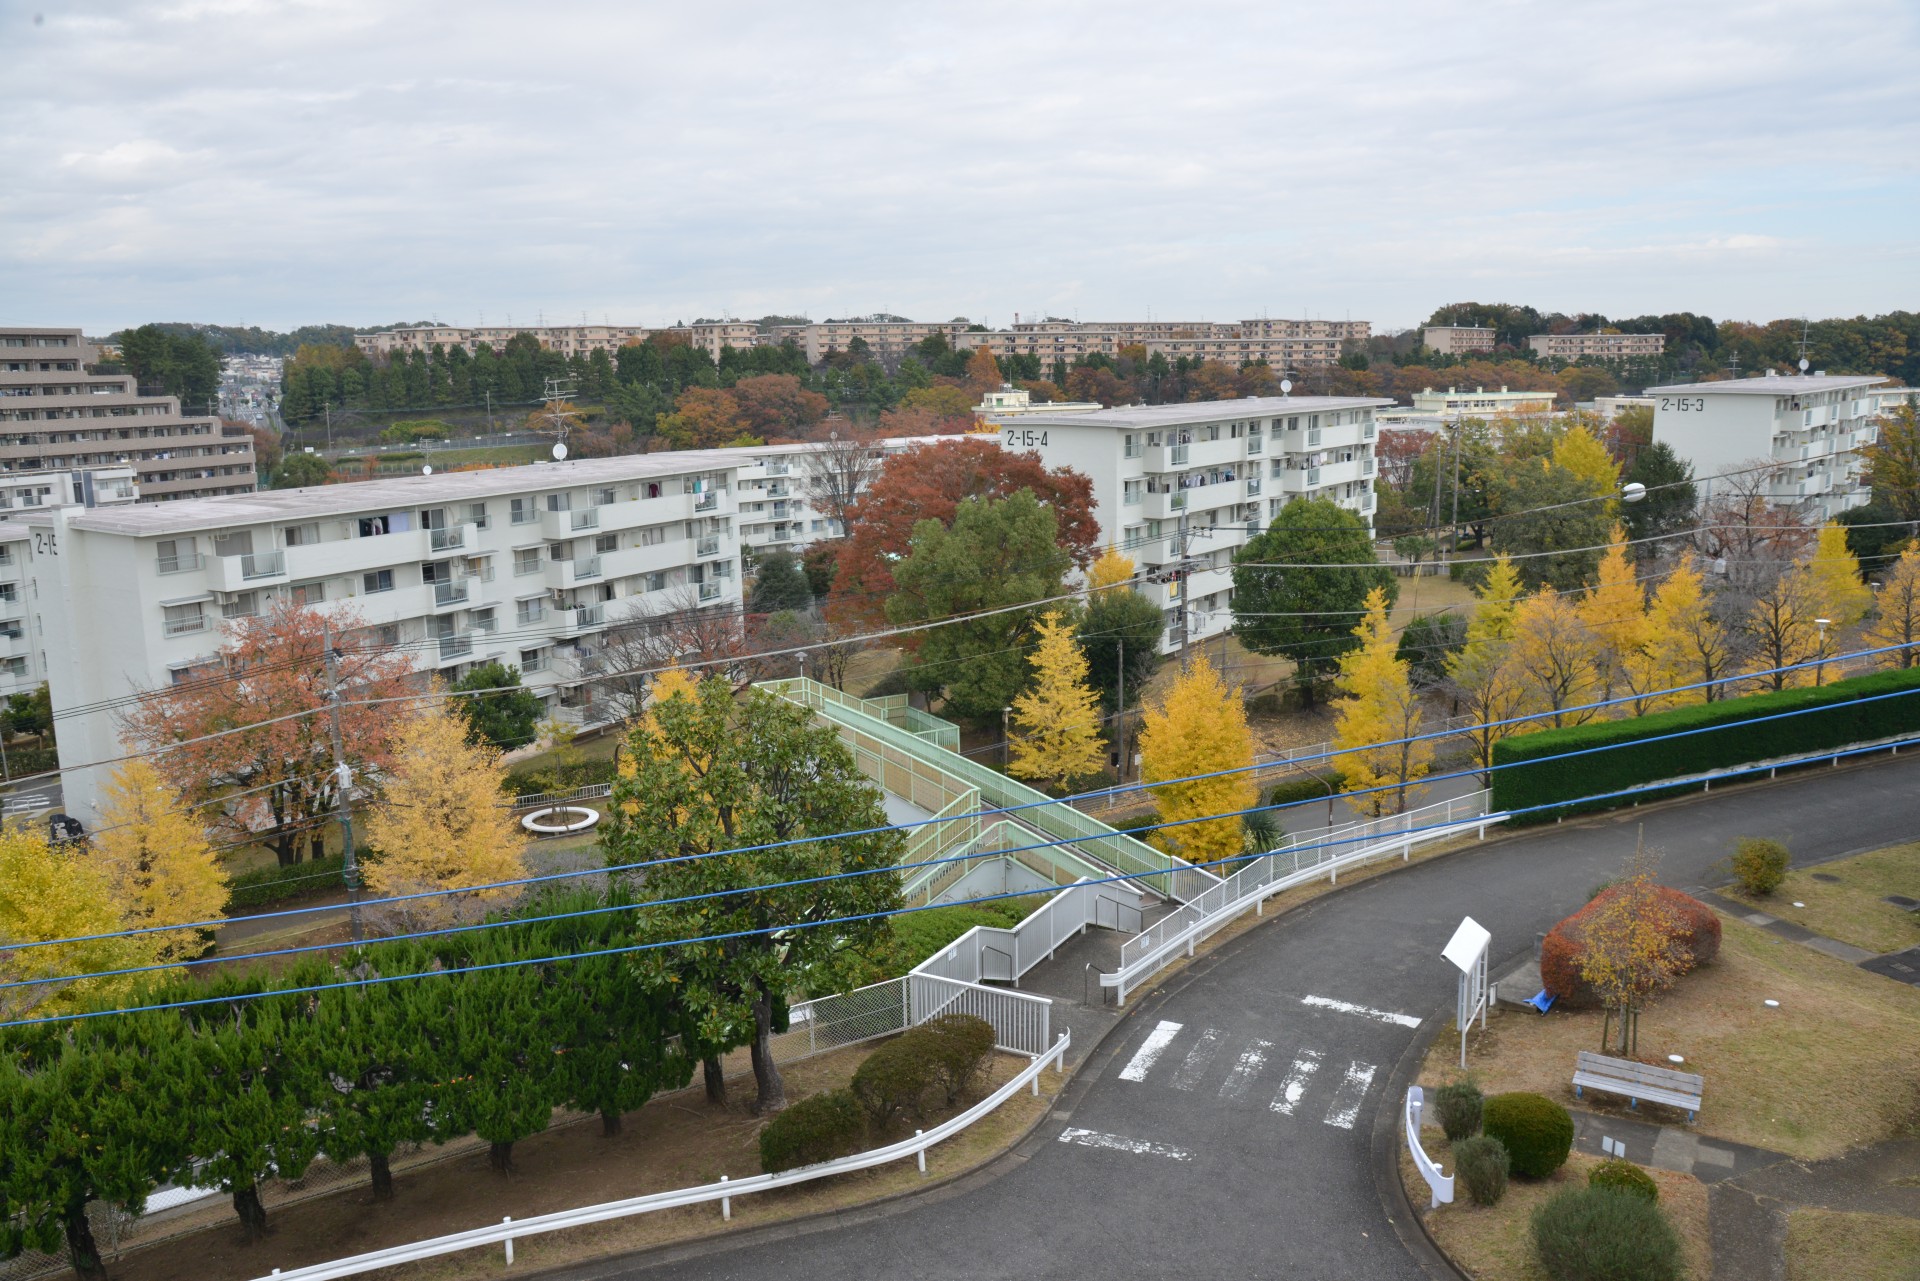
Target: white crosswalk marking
1295,1086
1199,1059
1363,1011
1245,1068
1150,1051
1120,1143
1347,1099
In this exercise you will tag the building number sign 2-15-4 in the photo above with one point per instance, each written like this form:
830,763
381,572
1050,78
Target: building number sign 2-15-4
1023,438
1683,404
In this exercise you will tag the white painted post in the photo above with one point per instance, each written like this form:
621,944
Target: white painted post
922,1153
726,1204
509,1241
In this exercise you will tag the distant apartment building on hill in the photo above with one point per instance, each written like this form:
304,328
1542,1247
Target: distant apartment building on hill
1458,340
56,416
1598,346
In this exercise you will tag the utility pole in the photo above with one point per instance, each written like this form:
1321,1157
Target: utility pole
342,782
1120,708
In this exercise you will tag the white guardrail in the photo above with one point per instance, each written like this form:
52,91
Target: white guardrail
723,1191
1306,857
1441,1184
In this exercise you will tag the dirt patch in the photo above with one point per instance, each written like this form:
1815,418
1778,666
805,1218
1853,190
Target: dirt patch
1495,1243
1831,1067
1861,1247
674,1142
1846,899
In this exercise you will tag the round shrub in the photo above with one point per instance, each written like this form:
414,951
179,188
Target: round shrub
1481,1163
1699,931
1623,1176
955,1048
1457,1107
1536,1131
817,1128
1759,865
1603,1234
892,1081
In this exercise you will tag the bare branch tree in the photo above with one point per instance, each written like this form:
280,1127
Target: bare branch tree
685,633
835,471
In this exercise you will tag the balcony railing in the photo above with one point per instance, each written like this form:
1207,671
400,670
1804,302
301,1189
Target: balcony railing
707,546
588,519
708,501
263,564
186,626
447,540
452,647
586,567
1255,444
1313,476
445,594
1177,456
709,591
181,564
1313,438
1253,487
777,490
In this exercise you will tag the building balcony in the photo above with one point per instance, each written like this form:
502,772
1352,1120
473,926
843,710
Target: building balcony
230,573
448,595
709,592
562,574
181,564
1161,505
452,539
585,618
576,663
453,648
707,547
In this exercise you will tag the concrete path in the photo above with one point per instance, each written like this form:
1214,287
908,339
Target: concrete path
1233,1123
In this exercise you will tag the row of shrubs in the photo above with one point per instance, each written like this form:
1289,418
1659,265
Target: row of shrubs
941,1058
1610,1230
275,884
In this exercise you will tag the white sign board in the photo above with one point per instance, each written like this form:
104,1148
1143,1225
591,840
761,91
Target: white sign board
1467,952
1468,944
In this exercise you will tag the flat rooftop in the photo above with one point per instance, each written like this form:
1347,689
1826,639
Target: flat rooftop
1778,385
1201,411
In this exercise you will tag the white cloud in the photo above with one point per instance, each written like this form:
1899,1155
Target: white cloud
359,160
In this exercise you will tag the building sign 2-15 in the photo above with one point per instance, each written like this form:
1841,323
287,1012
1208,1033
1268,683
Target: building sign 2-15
1683,404
46,542
1023,438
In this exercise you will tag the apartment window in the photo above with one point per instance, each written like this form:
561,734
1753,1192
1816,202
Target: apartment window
177,555
653,536
1130,492
243,605
182,619
379,580
308,593
605,497
528,611
1153,439
654,582
607,543
523,511
300,535
387,635
534,660
1130,445
477,515
559,502
436,572
1210,432
433,518
526,560
482,620
653,489
16,666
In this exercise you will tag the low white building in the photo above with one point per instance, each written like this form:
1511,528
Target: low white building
1810,424
528,566
1181,488
1481,403
1011,402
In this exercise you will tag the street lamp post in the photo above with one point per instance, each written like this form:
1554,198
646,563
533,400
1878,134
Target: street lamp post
1820,668
1006,742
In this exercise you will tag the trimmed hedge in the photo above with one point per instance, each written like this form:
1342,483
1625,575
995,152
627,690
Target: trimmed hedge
275,884
1457,1107
1536,1131
1623,1176
956,1048
817,1128
893,1081
1482,1164
1560,950
1602,1234
1759,864
1830,716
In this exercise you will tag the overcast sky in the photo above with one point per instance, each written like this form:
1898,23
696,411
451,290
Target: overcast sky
363,161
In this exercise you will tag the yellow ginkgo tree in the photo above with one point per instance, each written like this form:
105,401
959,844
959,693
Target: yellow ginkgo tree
1379,719
1897,612
1200,727
1113,569
1056,722
159,868
1490,692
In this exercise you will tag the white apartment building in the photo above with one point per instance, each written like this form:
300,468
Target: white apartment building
1010,402
1601,346
1181,488
1810,424
1481,403
528,566
56,414
1457,340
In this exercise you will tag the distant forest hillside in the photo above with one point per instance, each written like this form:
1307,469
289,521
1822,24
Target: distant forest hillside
251,340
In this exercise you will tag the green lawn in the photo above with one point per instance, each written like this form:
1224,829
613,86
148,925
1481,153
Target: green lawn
1860,1247
1853,909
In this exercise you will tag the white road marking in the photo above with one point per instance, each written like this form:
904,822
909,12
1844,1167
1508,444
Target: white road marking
1245,1068
1150,1051
1199,1058
1120,1143
1347,1099
1364,1011
1296,1083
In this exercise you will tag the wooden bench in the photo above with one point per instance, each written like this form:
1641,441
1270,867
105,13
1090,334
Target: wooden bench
1638,1081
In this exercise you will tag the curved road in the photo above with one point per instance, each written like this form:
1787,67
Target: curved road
1225,1127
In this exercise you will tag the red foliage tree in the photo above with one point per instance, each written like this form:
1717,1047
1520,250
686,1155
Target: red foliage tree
1560,951
702,418
927,483
268,774
777,405
917,420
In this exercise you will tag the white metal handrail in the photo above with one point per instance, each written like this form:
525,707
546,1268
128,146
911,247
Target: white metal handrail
723,1191
1441,1184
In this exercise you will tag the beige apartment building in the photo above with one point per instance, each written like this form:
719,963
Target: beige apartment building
1457,340
1598,346
569,340
56,416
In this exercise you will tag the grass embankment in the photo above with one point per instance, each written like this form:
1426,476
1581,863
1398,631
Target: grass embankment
1495,1243
1852,907
1830,1068
1822,1244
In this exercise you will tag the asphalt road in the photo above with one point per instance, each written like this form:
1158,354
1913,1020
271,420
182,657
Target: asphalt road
1224,1129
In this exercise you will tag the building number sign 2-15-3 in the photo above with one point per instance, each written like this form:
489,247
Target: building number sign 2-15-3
1683,404
1022,438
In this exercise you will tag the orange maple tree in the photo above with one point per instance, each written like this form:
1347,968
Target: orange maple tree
777,405
928,482
248,746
